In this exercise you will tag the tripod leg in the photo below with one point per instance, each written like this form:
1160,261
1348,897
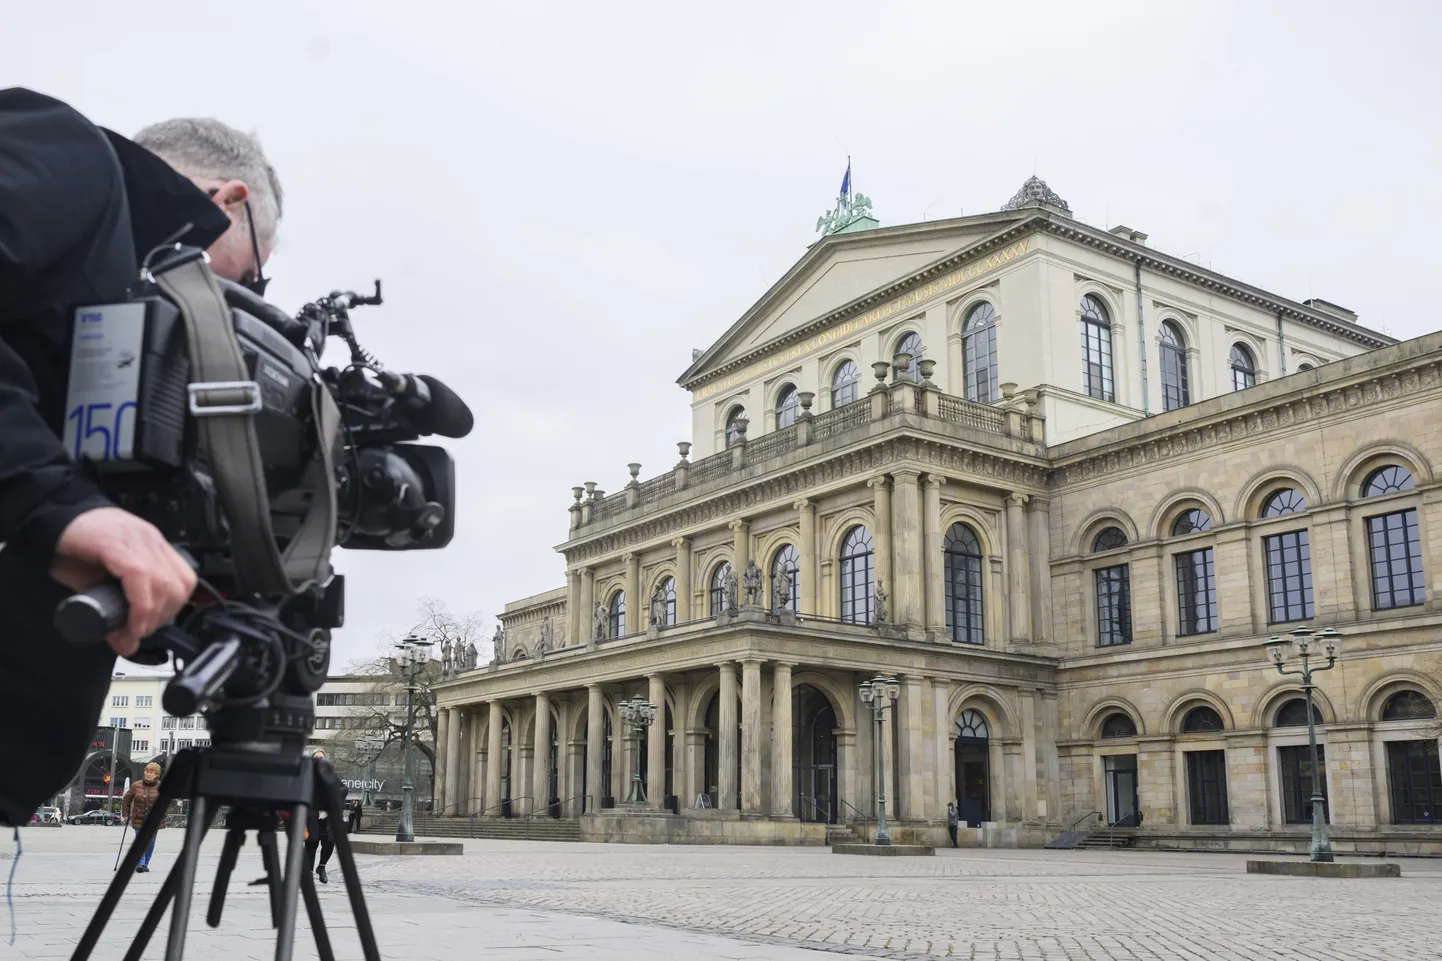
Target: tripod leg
317,922
270,857
185,884
295,864
327,790
174,786
157,910
234,838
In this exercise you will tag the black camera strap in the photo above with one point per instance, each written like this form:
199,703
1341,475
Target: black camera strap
224,400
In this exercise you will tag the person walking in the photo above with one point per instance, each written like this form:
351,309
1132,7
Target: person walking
318,834
135,806
354,820
952,821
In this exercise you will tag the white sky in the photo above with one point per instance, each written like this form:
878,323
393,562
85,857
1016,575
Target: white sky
564,198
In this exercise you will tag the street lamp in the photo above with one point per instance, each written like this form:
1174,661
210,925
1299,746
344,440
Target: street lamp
879,693
1309,645
638,714
411,657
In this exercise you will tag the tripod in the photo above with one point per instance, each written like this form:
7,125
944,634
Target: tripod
257,786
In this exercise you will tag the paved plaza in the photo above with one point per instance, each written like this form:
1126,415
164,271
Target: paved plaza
511,900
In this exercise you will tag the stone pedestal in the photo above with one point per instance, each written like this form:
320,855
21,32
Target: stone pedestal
885,850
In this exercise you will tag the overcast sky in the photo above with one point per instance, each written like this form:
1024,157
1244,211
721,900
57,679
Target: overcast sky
565,198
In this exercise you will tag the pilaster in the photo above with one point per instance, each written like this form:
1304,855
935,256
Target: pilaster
494,760
881,541
685,589
807,576
932,566
1018,578
907,539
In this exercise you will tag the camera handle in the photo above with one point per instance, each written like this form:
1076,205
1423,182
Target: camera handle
85,618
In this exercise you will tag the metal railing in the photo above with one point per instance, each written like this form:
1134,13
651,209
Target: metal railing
857,818
502,806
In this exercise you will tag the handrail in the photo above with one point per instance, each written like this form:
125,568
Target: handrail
1092,814
545,812
857,816
497,807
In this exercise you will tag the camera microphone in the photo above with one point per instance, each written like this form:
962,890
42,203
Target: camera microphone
430,406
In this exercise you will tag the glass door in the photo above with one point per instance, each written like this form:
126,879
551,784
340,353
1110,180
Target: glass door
1123,805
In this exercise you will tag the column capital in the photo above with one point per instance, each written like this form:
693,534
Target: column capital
802,504
878,481
1039,503
628,557
681,543
594,686
737,524
751,659
1017,498
655,674
935,480
908,474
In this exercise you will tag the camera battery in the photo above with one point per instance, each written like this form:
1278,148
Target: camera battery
125,404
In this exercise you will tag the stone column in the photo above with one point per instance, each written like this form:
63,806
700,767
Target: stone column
1018,576
453,761
573,605
680,782
477,790
494,760
595,746
634,605
881,537
848,778
726,785
912,762
694,767
891,744
740,546
541,758
931,559
656,744
807,576
941,744
581,620
751,737
1029,786
685,589
907,539
1156,786
438,783
575,776
1039,550
782,789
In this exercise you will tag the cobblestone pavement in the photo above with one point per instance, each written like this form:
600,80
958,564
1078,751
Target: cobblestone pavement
506,899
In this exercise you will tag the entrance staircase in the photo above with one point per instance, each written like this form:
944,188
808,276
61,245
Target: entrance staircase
1098,834
845,834
507,829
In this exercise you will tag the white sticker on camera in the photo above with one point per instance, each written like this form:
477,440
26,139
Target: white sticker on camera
105,358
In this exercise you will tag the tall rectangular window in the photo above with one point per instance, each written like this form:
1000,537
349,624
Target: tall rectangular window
1289,577
1196,592
1114,605
1207,786
1296,765
1396,554
140,747
1416,781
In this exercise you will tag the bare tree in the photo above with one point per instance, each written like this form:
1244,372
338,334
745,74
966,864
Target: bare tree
380,714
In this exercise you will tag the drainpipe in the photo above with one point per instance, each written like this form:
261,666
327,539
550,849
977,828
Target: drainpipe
1142,343
1282,340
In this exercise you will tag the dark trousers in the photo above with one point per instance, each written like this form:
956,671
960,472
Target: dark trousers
326,846
951,829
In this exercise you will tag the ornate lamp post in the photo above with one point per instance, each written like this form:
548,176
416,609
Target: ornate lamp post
411,657
1309,645
638,715
879,693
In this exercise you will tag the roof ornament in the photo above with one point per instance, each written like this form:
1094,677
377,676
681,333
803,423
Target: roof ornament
1033,193
852,211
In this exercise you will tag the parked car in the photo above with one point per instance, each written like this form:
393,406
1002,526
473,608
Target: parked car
49,815
96,817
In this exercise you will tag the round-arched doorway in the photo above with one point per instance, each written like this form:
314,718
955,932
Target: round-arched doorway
973,767
813,752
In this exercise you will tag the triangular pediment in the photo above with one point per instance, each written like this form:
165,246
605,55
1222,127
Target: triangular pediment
838,270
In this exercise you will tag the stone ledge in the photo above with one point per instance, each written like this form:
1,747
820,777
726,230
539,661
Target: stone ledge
885,850
1324,869
407,847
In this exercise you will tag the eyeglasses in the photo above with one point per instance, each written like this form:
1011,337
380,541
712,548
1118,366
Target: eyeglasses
259,282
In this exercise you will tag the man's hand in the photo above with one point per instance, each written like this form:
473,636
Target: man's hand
108,541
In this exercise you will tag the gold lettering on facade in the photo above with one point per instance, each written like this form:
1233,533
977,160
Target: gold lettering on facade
875,315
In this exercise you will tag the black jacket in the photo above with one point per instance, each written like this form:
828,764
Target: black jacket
79,207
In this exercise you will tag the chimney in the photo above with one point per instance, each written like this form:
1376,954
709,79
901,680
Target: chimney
1331,310
1127,233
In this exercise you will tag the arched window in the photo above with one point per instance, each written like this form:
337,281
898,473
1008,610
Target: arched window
718,587
1109,539
786,566
1294,714
787,405
1388,480
845,384
1244,368
911,344
1176,386
1408,706
1200,720
1394,545
978,339
972,724
1191,522
1119,725
668,590
856,561
1096,336
1285,501
733,426
1304,366
962,558
618,614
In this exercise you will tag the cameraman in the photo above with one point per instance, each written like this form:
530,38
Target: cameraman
80,207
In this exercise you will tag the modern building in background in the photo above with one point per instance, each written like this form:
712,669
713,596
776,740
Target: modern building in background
1062,486
353,715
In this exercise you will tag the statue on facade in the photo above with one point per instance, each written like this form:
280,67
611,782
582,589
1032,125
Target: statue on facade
753,583
547,639
447,655
879,596
473,656
598,621
658,607
498,645
732,598
781,593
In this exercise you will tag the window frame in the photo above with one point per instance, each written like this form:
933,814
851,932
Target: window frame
854,384
846,569
1294,799
787,406
729,433
1397,794
1278,573
616,614
913,374
1207,768
716,588
793,578
1187,622
972,610
668,588
1119,583
1098,319
1242,377
1176,350
971,336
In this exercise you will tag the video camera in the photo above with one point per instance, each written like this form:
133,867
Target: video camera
204,409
